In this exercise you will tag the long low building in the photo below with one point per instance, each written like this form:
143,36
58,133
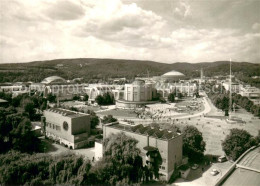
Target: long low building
69,128
168,144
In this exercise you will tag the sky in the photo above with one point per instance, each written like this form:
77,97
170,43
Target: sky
165,31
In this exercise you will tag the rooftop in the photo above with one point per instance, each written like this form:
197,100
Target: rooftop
173,73
53,79
65,112
247,171
138,82
147,130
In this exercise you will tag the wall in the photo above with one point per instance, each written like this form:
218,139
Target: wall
98,150
81,124
58,119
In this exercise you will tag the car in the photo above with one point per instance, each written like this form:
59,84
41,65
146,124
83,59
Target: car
214,172
222,159
194,166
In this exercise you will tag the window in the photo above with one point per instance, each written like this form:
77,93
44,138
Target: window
162,167
58,127
164,160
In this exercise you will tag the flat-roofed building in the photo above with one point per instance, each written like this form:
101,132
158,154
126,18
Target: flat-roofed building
235,87
67,127
186,88
250,92
151,141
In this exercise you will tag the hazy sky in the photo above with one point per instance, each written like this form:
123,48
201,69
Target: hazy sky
159,30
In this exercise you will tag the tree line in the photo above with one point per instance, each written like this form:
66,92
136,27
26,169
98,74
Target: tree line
221,101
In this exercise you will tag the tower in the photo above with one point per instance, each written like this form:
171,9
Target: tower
201,74
230,90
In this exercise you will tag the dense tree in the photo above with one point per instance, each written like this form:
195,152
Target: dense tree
221,101
85,97
105,99
6,96
94,120
193,144
38,169
99,99
23,138
237,142
76,97
171,97
122,161
51,98
29,108
108,119
258,137
15,132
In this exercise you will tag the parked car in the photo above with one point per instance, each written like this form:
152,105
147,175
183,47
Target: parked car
214,172
194,166
222,159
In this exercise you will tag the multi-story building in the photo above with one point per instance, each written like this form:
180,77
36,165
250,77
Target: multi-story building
66,127
139,91
151,140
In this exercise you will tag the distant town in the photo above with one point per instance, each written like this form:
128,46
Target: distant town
164,129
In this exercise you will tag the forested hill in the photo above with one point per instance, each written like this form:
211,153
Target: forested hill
90,68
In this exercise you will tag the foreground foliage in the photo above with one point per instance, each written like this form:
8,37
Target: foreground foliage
193,144
237,142
16,132
121,164
18,168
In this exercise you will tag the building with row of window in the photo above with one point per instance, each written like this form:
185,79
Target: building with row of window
185,88
69,128
153,143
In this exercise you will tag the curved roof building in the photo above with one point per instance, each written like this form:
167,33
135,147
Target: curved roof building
173,75
53,80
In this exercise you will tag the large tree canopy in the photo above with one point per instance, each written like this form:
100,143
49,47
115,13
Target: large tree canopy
237,142
105,99
193,144
122,161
